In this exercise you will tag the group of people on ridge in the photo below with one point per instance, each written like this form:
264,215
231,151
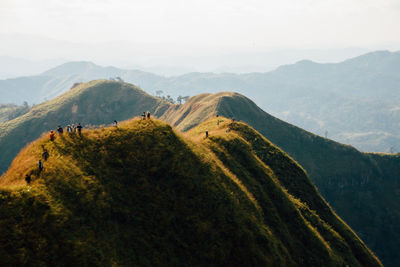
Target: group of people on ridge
146,115
70,129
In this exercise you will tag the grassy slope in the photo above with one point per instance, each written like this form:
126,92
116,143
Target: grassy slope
11,111
143,194
97,102
361,187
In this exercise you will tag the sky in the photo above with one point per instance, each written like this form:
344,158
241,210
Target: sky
172,32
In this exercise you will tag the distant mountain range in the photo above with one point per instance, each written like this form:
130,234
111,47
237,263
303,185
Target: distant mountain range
354,102
361,187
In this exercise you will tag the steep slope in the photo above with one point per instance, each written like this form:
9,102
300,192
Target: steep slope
94,103
363,188
11,111
142,194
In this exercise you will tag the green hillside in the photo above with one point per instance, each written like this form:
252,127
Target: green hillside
94,103
142,194
361,187
354,183
11,111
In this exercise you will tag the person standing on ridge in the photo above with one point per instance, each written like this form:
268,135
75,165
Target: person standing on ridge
52,135
28,179
45,154
79,127
40,166
60,129
206,133
144,115
148,115
69,129
115,124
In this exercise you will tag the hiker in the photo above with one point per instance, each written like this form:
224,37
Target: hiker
148,115
28,179
206,133
73,128
115,124
69,129
144,115
52,135
45,154
79,127
60,129
40,166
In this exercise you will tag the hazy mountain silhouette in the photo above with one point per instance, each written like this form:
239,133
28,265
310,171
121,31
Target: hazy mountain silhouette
354,101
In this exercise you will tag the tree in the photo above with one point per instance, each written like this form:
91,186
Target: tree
170,99
179,99
75,85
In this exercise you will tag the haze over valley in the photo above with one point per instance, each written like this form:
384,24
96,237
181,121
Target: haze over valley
199,133
355,102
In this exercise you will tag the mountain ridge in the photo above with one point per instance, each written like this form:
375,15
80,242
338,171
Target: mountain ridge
351,181
348,179
84,103
180,195
317,98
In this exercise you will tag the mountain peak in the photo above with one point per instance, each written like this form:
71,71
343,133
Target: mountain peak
71,68
141,187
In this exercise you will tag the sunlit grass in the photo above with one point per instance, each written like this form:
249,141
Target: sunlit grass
126,195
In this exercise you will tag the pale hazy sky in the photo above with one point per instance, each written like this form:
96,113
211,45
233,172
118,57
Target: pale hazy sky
206,26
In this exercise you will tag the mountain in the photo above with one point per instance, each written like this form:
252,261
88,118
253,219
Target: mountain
353,102
143,194
351,181
94,103
11,111
361,187
54,82
11,67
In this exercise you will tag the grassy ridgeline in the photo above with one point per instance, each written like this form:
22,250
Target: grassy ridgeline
142,194
96,103
361,187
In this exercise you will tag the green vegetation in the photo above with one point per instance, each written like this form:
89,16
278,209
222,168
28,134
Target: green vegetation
361,187
142,194
11,111
94,103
